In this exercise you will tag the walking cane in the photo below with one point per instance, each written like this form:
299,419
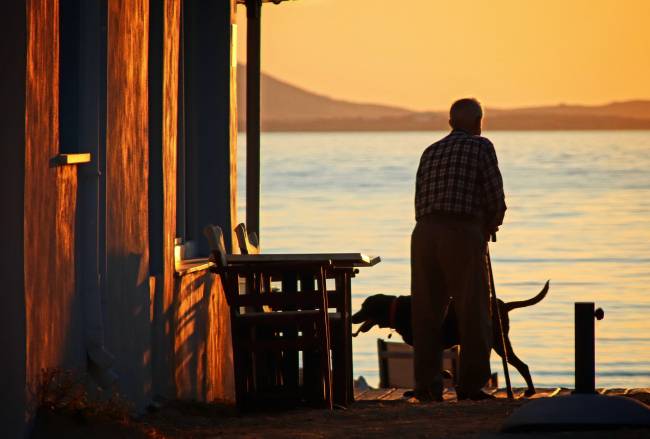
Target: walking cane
493,293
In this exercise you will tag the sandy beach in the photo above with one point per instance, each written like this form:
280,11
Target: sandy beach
364,419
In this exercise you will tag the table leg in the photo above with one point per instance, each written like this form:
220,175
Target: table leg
311,362
342,340
348,337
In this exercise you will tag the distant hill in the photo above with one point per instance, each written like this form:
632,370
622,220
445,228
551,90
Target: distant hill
289,108
282,101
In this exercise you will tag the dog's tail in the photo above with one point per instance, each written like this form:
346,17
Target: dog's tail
532,301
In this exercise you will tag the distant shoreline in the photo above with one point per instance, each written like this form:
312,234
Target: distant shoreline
286,108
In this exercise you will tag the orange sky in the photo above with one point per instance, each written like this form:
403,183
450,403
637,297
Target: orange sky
422,54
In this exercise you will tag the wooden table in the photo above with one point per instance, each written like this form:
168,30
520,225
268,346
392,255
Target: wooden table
341,260
345,267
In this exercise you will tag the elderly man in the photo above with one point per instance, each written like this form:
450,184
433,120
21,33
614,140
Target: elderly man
459,202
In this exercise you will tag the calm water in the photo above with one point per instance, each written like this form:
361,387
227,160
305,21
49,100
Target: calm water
579,214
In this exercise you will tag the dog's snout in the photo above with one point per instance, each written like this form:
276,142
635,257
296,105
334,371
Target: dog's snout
359,317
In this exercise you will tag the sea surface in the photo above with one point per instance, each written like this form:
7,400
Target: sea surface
578,214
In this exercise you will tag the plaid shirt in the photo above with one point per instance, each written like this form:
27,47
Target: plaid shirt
459,174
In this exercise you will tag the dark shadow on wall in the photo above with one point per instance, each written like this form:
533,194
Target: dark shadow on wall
12,176
162,340
127,324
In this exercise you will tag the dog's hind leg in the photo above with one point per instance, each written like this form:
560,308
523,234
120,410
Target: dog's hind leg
521,367
524,371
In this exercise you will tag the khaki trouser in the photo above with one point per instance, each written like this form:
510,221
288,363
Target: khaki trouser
448,259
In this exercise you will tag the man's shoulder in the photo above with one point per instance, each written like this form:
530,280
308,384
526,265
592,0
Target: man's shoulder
445,140
460,138
477,140
483,140
479,143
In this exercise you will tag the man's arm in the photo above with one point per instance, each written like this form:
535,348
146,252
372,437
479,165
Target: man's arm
492,181
418,186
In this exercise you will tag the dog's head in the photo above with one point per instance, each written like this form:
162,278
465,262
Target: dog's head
375,310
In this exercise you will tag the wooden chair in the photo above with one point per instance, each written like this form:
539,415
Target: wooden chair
249,245
340,334
270,328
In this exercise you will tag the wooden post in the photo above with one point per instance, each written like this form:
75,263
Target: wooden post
585,348
253,72
211,162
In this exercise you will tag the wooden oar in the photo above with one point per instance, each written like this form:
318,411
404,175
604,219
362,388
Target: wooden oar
493,293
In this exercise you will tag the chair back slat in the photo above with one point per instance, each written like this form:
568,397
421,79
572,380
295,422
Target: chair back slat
248,242
214,234
254,240
230,281
256,282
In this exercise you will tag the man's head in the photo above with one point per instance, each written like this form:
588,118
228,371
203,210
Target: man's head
466,115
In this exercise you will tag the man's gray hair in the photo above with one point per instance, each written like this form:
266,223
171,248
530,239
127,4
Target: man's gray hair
465,110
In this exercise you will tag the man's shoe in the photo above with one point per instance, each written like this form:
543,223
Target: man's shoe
477,396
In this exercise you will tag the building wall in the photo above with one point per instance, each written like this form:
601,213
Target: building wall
182,322
163,349
127,295
193,308
54,330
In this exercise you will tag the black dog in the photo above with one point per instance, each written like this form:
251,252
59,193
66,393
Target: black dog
395,312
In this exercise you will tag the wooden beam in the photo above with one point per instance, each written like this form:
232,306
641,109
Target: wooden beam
253,72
